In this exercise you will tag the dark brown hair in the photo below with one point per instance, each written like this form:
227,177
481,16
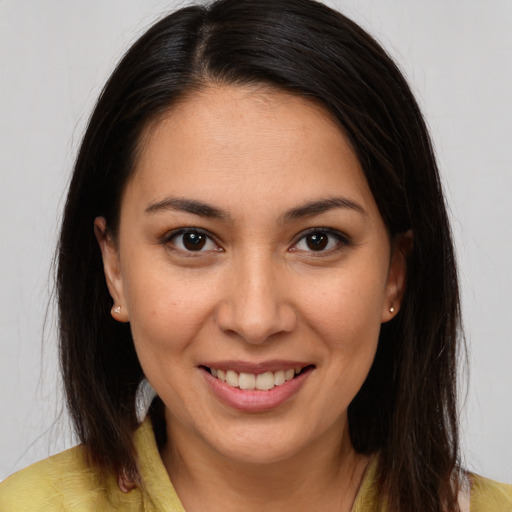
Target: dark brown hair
406,409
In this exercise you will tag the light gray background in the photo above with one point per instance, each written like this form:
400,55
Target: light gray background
54,57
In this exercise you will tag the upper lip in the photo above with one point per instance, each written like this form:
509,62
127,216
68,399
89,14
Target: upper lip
256,368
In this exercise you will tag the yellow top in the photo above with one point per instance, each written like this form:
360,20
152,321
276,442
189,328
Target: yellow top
64,482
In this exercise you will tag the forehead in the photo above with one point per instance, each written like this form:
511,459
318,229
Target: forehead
249,142
245,118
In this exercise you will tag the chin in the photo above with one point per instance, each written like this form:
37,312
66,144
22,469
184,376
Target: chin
258,447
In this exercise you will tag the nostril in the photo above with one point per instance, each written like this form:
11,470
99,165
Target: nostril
256,321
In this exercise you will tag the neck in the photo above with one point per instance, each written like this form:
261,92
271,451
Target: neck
325,475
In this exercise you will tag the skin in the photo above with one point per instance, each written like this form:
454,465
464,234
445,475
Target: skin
256,292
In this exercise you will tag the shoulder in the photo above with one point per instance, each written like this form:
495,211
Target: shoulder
62,482
490,496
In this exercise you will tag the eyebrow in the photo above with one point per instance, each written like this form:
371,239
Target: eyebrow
189,206
205,210
324,205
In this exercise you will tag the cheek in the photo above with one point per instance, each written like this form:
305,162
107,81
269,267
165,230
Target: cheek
166,316
347,306
166,308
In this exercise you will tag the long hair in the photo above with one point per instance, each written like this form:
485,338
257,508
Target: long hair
406,409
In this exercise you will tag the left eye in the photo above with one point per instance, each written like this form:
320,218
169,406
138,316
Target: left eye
193,241
318,241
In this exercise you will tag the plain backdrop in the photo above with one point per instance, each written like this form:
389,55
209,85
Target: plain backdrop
55,56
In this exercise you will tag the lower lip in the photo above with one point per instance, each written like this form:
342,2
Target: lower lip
255,400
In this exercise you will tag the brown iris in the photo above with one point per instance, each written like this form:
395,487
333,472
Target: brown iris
317,241
194,241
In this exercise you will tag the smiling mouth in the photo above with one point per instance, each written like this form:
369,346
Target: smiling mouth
262,382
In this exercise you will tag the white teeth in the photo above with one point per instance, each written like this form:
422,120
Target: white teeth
279,378
289,374
232,378
247,381
263,381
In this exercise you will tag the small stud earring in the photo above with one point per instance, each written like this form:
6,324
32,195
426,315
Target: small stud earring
117,309
391,309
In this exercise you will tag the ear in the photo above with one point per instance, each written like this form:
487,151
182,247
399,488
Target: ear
397,275
112,269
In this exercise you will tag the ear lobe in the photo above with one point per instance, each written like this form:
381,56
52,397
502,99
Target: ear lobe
397,275
112,269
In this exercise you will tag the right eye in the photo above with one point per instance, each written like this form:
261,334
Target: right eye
192,240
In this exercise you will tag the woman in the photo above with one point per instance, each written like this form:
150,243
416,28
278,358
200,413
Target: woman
256,226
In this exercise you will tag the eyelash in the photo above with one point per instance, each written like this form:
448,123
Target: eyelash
341,240
167,240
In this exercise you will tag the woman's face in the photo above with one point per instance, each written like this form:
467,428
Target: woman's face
251,249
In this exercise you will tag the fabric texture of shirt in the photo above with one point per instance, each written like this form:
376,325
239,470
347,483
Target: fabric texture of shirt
66,483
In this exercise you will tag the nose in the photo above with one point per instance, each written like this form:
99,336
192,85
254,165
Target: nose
256,305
